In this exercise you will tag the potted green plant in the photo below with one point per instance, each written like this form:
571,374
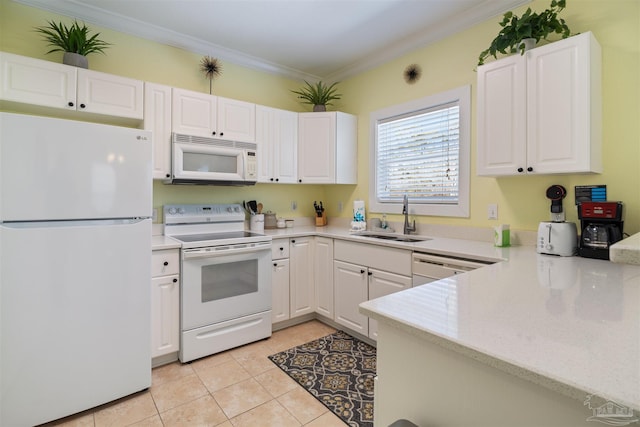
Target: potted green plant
74,41
519,33
318,95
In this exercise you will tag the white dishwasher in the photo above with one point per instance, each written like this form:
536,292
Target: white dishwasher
426,267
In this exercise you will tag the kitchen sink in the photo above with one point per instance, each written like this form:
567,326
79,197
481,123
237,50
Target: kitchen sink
394,237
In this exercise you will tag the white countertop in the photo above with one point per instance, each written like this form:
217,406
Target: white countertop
626,251
163,242
438,245
569,323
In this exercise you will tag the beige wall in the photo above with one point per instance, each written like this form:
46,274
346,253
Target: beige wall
446,64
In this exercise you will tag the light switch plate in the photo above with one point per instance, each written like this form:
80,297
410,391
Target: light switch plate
492,211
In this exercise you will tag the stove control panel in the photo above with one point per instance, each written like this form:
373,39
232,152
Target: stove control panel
190,214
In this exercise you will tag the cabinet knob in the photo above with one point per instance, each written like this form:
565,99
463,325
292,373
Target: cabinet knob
370,274
277,179
361,271
299,180
175,280
221,133
529,169
270,179
520,170
213,133
166,263
293,241
275,264
82,106
281,249
70,104
168,175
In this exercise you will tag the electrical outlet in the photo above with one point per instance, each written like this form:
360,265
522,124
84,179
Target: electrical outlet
492,211
294,205
155,215
340,206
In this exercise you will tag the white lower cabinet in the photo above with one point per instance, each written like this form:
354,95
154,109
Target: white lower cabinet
382,283
351,289
363,272
323,276
165,302
301,278
292,280
280,280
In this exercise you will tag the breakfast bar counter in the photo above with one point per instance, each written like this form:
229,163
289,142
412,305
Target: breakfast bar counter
532,340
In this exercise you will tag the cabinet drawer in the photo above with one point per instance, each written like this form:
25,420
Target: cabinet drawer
165,262
280,249
384,258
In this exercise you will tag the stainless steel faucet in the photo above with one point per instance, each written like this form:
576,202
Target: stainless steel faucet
405,211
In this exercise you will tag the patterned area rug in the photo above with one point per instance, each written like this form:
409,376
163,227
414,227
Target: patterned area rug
338,370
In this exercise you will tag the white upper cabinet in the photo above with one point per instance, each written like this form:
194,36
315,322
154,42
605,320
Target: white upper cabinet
157,119
277,140
541,112
327,148
111,95
236,120
194,113
201,114
49,84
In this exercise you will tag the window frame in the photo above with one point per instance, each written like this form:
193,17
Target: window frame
460,95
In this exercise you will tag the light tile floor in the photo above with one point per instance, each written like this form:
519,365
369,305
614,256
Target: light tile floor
236,388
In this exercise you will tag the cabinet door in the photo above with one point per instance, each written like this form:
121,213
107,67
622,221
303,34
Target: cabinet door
236,120
266,142
563,95
157,119
280,290
193,113
350,289
316,148
302,285
285,157
502,117
165,320
103,93
323,276
277,138
34,81
383,283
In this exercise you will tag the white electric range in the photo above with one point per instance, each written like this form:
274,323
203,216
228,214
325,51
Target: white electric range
225,296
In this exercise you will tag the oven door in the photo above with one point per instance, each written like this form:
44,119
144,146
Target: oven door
225,282
206,162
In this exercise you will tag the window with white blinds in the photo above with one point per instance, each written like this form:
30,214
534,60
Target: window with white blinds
421,149
418,156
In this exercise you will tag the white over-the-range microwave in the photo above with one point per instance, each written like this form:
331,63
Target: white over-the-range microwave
202,160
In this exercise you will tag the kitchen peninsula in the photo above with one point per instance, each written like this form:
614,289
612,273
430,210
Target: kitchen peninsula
522,342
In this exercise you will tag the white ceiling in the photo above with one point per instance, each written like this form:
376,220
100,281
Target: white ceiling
307,39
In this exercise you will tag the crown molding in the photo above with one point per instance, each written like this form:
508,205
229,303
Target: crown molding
79,10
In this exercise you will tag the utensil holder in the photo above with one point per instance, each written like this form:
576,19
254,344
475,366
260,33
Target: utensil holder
257,223
321,220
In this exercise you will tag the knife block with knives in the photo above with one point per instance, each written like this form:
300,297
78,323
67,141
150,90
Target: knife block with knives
321,216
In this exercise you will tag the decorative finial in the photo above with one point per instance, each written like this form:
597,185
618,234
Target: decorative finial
412,73
211,69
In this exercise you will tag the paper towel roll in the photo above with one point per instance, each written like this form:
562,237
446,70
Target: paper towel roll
358,211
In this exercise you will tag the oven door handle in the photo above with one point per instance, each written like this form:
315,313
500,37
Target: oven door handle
218,251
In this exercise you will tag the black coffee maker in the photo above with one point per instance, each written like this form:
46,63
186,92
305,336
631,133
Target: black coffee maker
601,224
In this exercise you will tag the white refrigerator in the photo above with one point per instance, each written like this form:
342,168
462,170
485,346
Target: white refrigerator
75,255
